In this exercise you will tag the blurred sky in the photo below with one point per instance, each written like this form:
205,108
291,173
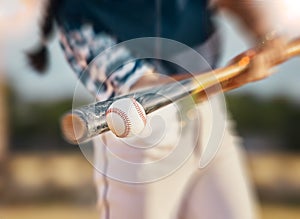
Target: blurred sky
59,82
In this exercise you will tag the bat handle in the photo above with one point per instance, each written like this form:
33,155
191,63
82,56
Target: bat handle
293,49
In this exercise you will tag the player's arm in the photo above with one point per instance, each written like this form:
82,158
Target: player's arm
251,14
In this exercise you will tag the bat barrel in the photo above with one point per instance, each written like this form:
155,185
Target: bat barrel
73,128
89,121
84,123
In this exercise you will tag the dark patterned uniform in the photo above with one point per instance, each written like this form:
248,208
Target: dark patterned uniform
90,27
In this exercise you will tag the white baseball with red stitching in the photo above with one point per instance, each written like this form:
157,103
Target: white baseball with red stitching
126,117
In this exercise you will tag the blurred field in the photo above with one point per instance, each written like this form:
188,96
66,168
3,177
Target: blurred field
49,212
90,212
52,185
276,176
280,212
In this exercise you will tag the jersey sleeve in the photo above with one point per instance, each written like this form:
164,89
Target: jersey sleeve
105,72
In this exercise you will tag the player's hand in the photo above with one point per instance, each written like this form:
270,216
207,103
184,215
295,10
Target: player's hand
261,61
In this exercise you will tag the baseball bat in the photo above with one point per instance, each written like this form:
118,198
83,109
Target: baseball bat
86,122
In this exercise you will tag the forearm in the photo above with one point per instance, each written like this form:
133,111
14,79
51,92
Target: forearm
251,13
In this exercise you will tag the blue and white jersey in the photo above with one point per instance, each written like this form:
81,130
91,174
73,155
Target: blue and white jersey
90,27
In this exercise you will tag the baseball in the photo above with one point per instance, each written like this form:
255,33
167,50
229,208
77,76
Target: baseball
126,117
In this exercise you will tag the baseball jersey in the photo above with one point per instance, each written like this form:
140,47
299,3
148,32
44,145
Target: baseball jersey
90,27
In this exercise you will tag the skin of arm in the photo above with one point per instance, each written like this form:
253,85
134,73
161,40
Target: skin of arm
251,13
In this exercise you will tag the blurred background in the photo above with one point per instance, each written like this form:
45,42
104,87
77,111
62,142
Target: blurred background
42,176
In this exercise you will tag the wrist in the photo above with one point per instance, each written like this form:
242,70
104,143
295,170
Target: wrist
268,37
